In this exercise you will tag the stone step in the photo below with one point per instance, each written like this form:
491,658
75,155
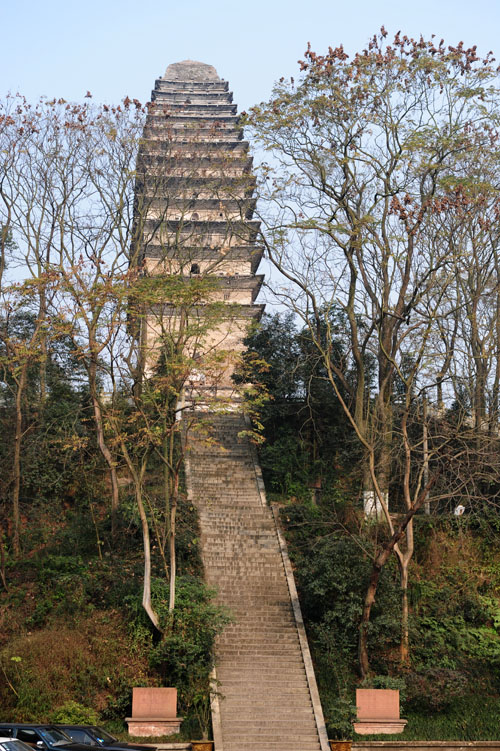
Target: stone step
247,643
236,500
275,730
216,546
253,712
228,674
206,462
227,493
237,533
239,567
233,537
260,712
248,683
209,502
258,705
254,745
225,561
267,732
233,708
247,639
233,548
232,482
272,638
257,744
248,653
247,636
272,630
243,517
232,552
244,662
266,735
243,624
235,485
234,694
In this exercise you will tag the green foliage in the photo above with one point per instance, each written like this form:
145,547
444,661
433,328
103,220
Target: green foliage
454,624
305,428
66,594
333,569
184,657
286,464
73,713
57,446
339,713
432,689
395,683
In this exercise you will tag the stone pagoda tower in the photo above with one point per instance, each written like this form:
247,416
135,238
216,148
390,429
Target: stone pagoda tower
195,205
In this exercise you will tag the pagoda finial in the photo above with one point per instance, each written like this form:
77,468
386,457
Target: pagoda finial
190,70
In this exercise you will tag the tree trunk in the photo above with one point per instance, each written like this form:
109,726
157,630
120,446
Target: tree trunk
3,575
425,444
405,556
108,458
146,589
405,638
44,351
18,436
146,540
172,531
379,562
384,425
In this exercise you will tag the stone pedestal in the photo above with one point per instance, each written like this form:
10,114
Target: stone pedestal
154,712
378,711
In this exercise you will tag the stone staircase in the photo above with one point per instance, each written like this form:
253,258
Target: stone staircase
269,696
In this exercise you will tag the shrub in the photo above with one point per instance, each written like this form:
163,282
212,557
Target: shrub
184,657
74,713
435,689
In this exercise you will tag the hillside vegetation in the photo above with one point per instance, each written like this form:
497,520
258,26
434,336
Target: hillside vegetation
75,638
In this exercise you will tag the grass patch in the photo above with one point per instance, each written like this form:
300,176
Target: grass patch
471,718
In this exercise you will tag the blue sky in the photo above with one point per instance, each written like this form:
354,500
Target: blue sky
118,47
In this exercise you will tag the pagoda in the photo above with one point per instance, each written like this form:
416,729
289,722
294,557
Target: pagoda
195,202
